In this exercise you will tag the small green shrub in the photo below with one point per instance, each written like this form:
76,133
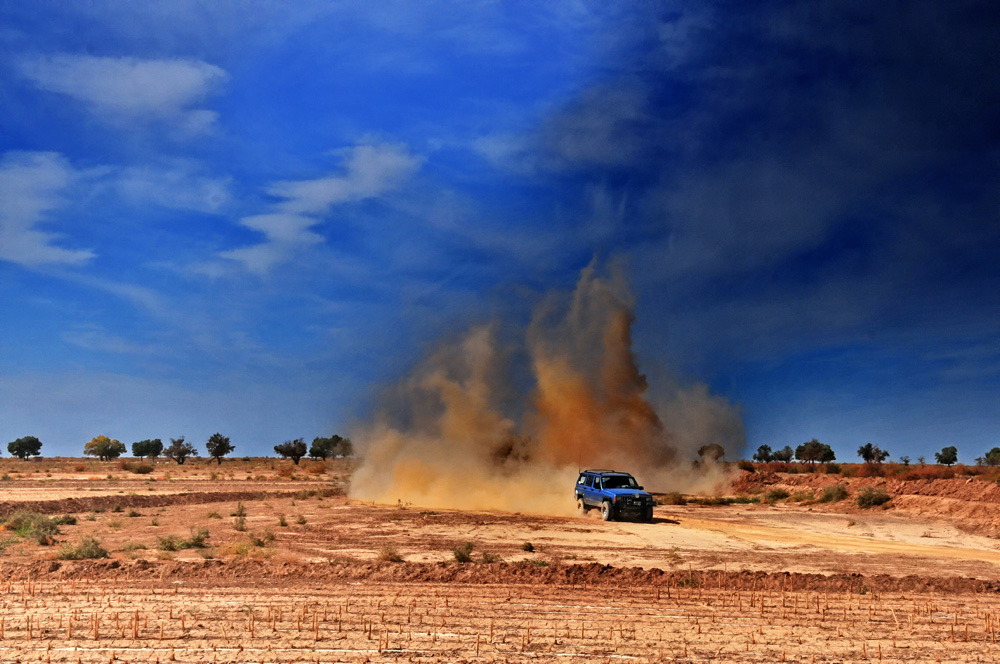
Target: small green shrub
88,548
65,520
673,498
775,494
142,469
528,546
872,497
240,524
133,546
803,496
29,525
240,510
132,514
301,520
489,558
832,469
463,554
282,521
833,494
214,515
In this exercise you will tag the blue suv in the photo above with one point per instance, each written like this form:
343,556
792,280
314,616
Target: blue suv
615,494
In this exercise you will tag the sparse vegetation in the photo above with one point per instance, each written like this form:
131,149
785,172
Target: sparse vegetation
833,494
463,553
673,498
872,497
389,554
775,495
528,546
88,548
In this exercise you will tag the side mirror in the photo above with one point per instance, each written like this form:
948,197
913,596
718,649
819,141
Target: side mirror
640,487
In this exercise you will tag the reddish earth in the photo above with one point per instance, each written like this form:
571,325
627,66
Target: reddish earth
305,574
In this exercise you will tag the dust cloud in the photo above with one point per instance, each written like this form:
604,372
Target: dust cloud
456,433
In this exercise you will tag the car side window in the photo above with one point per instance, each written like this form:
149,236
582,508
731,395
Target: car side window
581,480
597,483
590,480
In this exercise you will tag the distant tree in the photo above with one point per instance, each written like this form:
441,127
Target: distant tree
324,448
712,451
785,454
25,447
992,457
872,454
149,448
921,460
345,448
179,451
763,454
104,448
814,451
292,449
218,446
905,460
947,456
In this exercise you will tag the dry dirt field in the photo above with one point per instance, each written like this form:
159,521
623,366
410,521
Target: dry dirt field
262,561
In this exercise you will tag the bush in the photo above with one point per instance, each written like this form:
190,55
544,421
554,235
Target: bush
833,494
463,554
175,543
88,548
142,468
673,498
832,469
528,546
872,497
803,496
775,494
389,554
747,466
489,558
29,525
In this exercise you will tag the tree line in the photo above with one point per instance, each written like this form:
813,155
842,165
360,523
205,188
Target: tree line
817,452
179,450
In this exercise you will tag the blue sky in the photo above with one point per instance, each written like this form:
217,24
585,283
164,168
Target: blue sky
248,218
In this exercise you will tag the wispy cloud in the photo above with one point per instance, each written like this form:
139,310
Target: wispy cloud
370,170
32,185
177,186
131,89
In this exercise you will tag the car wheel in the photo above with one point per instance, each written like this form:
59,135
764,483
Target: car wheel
647,515
581,506
607,511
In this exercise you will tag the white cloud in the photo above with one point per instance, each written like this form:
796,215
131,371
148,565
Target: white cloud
370,170
31,186
130,89
177,186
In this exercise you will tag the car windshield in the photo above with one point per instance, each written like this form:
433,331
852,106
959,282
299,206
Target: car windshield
620,482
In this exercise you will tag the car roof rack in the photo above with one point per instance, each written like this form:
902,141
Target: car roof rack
599,470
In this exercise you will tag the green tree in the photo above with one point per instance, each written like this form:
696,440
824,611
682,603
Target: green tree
104,448
872,454
324,448
947,455
218,446
763,454
712,452
992,457
149,448
179,451
785,454
292,449
814,451
25,447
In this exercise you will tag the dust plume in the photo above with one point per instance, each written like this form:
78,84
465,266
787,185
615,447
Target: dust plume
455,433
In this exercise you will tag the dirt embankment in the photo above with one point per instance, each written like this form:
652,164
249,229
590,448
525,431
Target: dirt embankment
91,503
966,502
251,573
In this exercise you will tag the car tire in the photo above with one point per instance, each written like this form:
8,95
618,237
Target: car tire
607,511
647,515
581,506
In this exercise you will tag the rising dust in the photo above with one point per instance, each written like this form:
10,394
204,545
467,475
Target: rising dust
450,436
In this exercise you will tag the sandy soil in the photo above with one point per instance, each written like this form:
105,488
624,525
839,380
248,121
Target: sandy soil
305,576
